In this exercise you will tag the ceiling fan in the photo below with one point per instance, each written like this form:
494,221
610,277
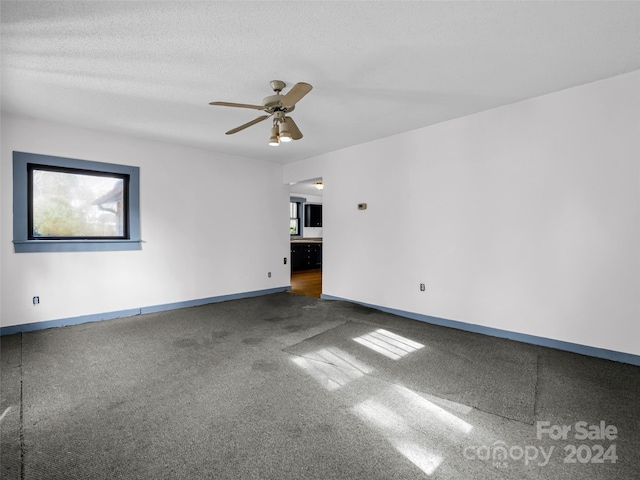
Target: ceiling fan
278,106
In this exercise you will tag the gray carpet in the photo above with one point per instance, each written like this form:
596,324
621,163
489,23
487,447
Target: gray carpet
491,375
290,387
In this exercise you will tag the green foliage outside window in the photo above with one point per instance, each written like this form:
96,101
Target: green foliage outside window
75,205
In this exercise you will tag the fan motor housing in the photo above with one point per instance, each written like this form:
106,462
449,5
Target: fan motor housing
272,103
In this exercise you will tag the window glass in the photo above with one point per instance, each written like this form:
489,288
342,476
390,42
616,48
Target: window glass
294,218
75,204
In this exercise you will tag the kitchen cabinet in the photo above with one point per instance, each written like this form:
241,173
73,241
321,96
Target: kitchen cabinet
297,256
312,215
306,256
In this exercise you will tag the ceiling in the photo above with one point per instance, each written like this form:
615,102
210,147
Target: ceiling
306,188
149,69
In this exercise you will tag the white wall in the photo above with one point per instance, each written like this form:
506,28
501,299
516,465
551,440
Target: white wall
312,232
199,234
523,218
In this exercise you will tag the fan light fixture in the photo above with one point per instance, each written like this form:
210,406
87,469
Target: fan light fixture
318,185
274,140
285,136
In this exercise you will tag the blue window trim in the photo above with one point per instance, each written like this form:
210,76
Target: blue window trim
21,241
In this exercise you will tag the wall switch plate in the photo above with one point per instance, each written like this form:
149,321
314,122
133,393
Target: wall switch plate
36,300
269,274
285,260
422,287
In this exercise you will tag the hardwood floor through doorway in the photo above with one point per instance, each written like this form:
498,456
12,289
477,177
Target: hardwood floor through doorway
307,282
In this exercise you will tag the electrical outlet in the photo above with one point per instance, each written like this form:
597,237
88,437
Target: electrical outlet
422,287
285,260
36,300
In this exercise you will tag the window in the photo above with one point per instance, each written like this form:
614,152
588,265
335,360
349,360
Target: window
63,204
294,218
76,204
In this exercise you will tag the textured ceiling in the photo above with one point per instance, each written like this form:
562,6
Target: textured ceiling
149,69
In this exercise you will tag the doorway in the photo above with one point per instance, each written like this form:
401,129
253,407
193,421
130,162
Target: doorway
306,230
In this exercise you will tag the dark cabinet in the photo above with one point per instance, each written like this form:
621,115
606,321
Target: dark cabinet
312,215
314,255
306,256
297,256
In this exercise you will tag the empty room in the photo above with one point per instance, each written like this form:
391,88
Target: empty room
280,240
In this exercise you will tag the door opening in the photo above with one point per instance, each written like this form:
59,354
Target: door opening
307,239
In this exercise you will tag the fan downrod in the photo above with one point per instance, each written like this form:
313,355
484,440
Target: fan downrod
272,102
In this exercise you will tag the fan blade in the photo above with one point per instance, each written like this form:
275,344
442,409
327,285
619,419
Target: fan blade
295,132
241,105
294,95
248,124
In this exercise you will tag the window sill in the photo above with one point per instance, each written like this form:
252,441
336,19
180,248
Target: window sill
75,245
